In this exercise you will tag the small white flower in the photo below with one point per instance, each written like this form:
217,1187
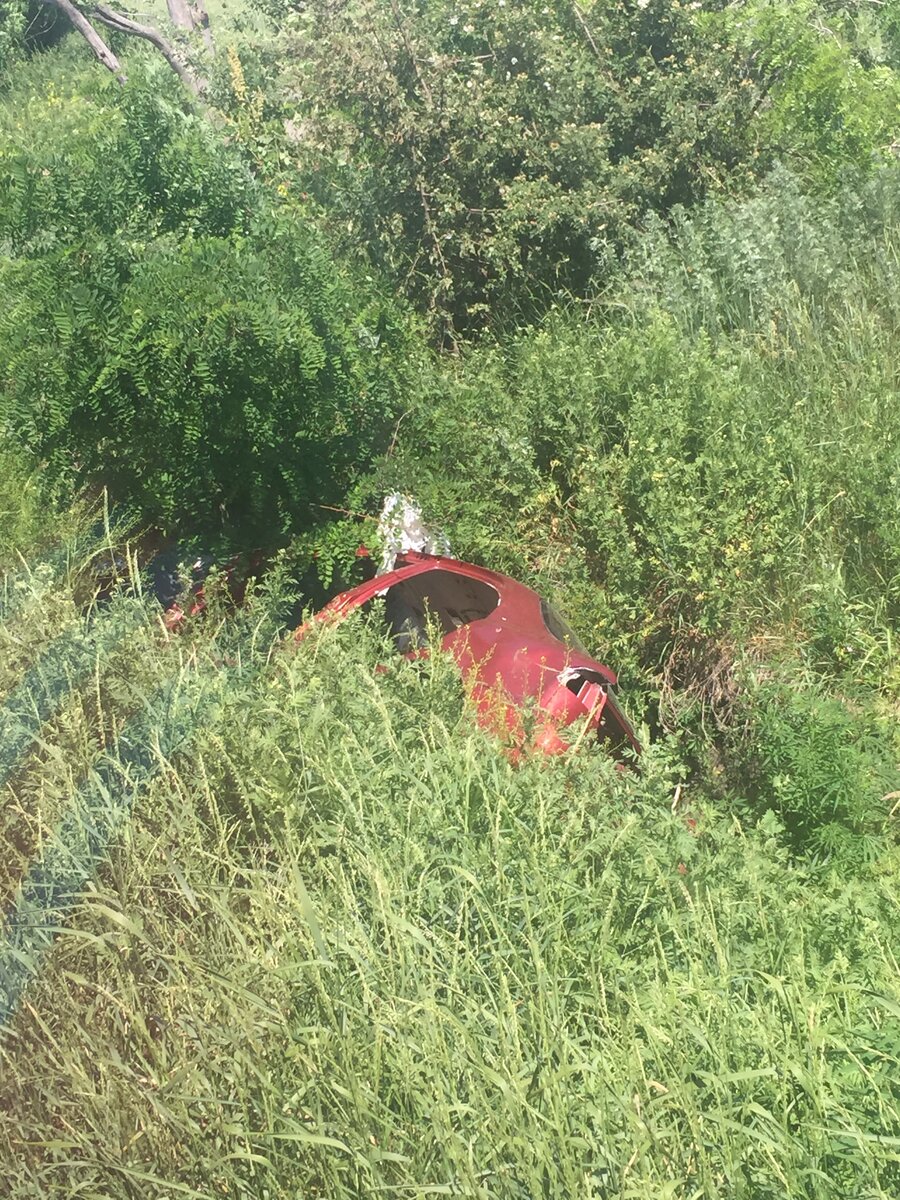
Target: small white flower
513,61
454,20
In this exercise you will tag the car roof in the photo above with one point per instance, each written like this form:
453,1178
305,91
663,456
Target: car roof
516,599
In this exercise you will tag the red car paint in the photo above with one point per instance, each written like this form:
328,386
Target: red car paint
237,573
499,632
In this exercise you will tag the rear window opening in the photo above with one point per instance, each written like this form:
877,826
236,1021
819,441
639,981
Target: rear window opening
444,597
560,628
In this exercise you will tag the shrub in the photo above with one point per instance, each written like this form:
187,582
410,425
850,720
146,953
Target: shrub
170,329
835,96
490,156
79,154
12,28
822,768
226,381
493,157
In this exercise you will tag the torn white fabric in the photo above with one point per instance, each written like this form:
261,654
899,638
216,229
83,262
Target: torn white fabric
401,527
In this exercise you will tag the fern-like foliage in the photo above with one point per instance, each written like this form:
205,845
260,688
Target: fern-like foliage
169,328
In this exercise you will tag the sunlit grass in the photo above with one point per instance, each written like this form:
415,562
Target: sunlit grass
343,947
299,928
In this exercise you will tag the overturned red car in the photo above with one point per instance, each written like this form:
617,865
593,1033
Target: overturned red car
520,661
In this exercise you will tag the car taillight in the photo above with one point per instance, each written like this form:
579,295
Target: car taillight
591,696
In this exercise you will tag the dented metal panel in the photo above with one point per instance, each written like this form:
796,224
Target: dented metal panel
514,653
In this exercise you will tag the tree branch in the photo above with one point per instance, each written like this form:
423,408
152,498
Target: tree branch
123,24
91,36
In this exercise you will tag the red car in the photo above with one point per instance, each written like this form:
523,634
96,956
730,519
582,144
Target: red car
511,647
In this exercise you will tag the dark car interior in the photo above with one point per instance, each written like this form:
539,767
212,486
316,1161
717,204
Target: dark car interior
445,597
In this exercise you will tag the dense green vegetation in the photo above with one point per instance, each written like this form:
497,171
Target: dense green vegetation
343,947
170,328
614,290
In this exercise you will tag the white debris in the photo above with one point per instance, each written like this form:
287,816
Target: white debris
569,675
401,527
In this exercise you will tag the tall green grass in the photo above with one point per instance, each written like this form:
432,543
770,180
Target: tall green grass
344,948
328,941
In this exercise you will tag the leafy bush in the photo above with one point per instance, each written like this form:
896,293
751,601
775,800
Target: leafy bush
12,28
492,157
80,154
822,768
171,330
834,102
748,264
489,156
222,383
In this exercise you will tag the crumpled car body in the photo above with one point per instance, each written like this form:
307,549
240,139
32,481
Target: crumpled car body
526,672
181,587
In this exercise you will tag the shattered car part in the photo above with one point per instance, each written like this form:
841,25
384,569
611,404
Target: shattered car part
513,649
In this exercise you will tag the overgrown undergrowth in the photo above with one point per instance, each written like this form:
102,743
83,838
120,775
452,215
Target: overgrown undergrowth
283,921
342,946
